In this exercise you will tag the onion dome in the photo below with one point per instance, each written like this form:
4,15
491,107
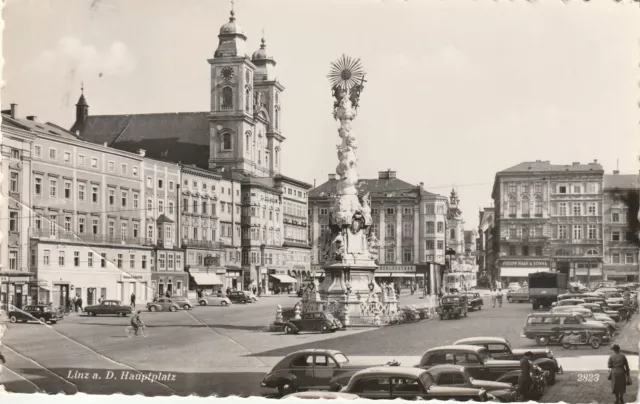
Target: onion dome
260,56
232,40
231,27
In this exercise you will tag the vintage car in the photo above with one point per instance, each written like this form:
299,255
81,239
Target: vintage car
37,312
545,328
163,304
388,383
568,302
518,296
108,307
214,300
618,307
319,369
597,309
322,321
235,296
322,395
476,359
252,298
452,306
500,348
183,302
588,315
457,376
474,300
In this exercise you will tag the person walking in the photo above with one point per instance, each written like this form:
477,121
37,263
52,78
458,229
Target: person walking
75,303
619,374
80,304
100,299
499,297
524,379
494,297
133,300
228,290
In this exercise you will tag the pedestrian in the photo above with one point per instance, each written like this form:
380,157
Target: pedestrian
100,299
133,300
259,291
80,304
228,290
499,296
524,379
619,374
494,297
168,294
75,303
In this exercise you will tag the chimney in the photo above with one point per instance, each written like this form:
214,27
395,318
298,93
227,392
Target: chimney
616,172
575,163
142,152
14,110
32,118
595,161
386,175
332,177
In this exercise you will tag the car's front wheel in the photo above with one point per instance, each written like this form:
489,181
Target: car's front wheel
223,303
42,320
510,299
13,319
324,328
152,308
288,329
173,308
186,306
203,302
286,388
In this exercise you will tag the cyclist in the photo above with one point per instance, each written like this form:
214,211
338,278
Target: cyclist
136,322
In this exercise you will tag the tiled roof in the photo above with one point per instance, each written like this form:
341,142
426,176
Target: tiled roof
539,165
43,127
377,187
621,181
180,137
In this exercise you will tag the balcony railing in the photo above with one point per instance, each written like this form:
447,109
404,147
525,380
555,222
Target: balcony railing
90,238
201,244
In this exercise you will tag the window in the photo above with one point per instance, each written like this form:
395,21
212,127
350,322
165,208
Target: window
53,225
119,261
577,189
13,260
226,141
46,257
170,185
38,188
53,188
94,226
149,204
61,258
537,188
90,259
150,231
94,162
67,157
592,188
562,209
136,200
112,196
592,208
429,245
525,206
160,207
112,228
195,206
525,188
76,258
407,229
179,262
512,188
124,195
169,261
185,204
512,206
103,260
81,192
591,232
144,262
407,255
38,151
123,168
81,225
562,189
440,227
629,258
136,230
134,170
227,98
512,250
67,190
124,231
112,165
513,233
538,251
132,260
391,230
577,232
160,183
94,193
538,206
440,245
171,207
67,223
149,182
53,154
14,182
38,222
390,211
615,217
615,235
390,255
452,234
562,231
161,261
525,250
615,258
13,221
577,209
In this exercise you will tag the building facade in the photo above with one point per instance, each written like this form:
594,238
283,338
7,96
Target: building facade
485,255
409,222
620,250
548,218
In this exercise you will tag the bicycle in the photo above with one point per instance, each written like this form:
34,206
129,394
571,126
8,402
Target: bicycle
130,331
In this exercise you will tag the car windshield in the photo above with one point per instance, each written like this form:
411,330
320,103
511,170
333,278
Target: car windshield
340,358
426,379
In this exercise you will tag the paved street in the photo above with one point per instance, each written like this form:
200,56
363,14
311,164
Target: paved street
226,351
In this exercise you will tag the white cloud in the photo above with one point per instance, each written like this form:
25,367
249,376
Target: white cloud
75,58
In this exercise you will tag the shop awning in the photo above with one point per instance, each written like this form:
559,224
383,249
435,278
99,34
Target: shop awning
520,272
592,272
203,279
284,278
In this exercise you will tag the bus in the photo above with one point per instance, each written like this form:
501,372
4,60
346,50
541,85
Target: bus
460,281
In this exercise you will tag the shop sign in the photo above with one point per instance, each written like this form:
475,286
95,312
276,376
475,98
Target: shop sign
525,264
397,268
233,274
131,277
263,271
221,271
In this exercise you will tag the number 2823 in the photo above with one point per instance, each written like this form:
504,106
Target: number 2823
588,377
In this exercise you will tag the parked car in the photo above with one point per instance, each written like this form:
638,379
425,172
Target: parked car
163,304
322,395
452,306
183,302
476,359
322,321
569,302
38,312
500,348
214,300
108,307
252,298
520,295
320,369
597,309
514,286
458,376
549,327
388,383
604,304
474,300
235,296
588,315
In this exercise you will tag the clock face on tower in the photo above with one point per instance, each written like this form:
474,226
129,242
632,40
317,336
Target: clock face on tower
227,73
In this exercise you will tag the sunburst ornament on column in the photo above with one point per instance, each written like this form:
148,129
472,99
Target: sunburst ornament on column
346,72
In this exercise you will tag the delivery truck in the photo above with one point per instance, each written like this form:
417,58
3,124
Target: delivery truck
545,287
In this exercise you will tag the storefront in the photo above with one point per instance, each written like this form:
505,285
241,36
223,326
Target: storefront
15,289
206,282
134,283
172,283
234,278
281,283
512,271
90,286
403,275
622,275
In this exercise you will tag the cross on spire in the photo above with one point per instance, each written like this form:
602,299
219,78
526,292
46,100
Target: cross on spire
232,5
82,87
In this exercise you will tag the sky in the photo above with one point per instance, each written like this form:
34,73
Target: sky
456,89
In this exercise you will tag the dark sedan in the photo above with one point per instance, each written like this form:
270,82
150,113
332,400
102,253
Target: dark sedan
113,307
474,300
236,297
458,376
313,321
41,313
520,295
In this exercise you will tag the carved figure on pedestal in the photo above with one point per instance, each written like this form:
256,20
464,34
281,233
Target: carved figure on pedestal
339,250
357,222
366,209
374,246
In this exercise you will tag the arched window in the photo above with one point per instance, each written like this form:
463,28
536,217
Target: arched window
277,118
226,141
227,98
248,141
593,251
525,206
538,206
512,206
277,157
247,99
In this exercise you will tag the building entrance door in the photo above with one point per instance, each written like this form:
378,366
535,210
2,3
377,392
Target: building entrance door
19,298
91,296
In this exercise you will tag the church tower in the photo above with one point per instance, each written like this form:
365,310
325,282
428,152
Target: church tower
244,120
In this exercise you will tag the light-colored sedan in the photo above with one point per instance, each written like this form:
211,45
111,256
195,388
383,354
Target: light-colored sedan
250,295
183,302
214,300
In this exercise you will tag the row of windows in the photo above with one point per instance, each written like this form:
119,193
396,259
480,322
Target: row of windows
92,259
82,161
294,192
294,209
626,258
430,243
263,213
160,183
255,257
577,232
525,250
574,209
568,188
268,237
516,232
